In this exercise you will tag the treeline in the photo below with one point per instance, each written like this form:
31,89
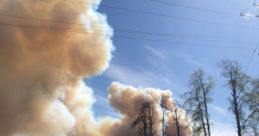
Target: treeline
243,91
243,99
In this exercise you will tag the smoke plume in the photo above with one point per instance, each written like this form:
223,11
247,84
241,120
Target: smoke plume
42,64
47,48
129,101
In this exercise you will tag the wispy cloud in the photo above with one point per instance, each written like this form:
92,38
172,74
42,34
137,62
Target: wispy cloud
165,55
136,77
126,75
190,60
145,78
156,52
219,109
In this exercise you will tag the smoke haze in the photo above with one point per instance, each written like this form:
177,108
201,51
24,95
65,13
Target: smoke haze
42,66
129,100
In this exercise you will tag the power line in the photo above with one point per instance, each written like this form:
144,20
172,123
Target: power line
252,57
119,30
119,36
116,29
158,14
123,30
175,42
132,10
37,19
63,22
47,28
189,7
129,10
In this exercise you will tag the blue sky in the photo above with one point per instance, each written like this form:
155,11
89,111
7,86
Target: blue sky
194,39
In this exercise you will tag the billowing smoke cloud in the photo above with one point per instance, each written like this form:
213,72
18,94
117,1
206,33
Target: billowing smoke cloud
42,64
129,101
47,48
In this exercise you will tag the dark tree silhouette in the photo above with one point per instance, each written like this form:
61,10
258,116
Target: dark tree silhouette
238,82
196,102
176,118
144,120
163,106
206,84
252,100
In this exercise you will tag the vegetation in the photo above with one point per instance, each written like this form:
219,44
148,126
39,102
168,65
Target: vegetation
243,101
144,120
196,102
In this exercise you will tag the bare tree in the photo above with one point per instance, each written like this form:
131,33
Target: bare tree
237,82
181,122
175,115
144,120
196,102
206,84
252,100
244,98
177,120
163,106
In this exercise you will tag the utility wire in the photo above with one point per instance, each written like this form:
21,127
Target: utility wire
116,29
47,28
63,22
131,10
176,42
37,19
252,57
189,7
82,30
158,14
101,34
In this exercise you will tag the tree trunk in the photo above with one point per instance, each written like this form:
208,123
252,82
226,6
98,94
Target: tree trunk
201,112
236,110
144,123
206,108
150,114
177,122
163,122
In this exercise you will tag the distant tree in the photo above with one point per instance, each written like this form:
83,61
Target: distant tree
244,98
196,102
206,85
176,117
144,120
198,122
252,100
238,82
163,106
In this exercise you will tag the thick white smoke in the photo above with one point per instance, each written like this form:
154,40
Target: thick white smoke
42,65
47,48
129,101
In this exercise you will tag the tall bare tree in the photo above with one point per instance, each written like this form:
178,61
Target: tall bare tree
196,102
206,84
244,98
177,119
237,81
163,106
144,120
252,100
